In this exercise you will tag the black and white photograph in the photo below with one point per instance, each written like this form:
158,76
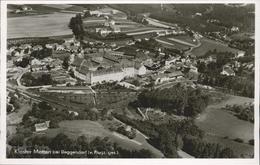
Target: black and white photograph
130,80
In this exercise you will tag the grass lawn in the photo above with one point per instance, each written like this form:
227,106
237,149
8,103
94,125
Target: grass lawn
207,45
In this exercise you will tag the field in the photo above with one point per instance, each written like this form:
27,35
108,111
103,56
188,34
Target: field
185,38
218,124
36,10
242,36
164,41
58,6
39,25
92,129
207,45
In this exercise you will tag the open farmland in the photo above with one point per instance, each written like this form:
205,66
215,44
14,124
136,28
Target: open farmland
39,25
58,6
207,45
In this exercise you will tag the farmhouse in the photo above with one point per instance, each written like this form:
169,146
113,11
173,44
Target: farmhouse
228,71
163,77
170,61
42,126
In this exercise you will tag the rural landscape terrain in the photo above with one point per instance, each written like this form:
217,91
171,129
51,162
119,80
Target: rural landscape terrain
130,80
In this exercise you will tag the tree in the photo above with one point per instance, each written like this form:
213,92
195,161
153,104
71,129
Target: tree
76,25
23,63
17,140
65,63
251,142
82,142
226,153
61,141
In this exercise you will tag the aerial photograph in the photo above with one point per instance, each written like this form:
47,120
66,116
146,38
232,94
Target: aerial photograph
130,80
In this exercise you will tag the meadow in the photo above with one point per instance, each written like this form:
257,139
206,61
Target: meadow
207,45
222,127
54,24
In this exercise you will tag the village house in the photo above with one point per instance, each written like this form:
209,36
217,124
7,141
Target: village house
234,29
228,71
170,61
165,77
128,85
240,54
74,113
42,126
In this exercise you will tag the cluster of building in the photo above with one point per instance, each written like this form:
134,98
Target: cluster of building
22,9
107,28
108,13
106,66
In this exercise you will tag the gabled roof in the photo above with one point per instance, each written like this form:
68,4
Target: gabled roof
228,70
168,75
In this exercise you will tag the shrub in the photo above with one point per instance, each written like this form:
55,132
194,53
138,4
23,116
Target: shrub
251,142
239,140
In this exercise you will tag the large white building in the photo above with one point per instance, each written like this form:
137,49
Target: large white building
107,68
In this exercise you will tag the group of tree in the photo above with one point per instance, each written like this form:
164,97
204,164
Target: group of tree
202,149
150,45
44,112
111,36
210,74
166,137
65,63
13,102
174,135
179,100
215,67
184,15
28,79
35,41
76,25
41,54
22,63
81,147
243,112
243,44
242,86
139,18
